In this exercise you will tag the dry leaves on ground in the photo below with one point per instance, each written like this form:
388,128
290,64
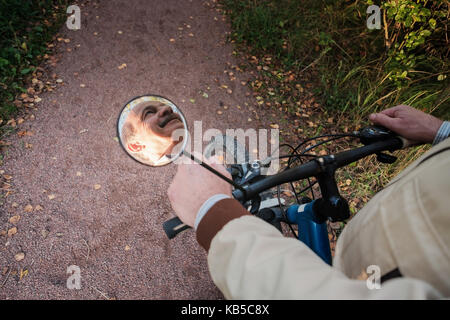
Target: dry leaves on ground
19,256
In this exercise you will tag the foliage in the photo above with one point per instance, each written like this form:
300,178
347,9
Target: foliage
360,70
25,28
414,32
325,46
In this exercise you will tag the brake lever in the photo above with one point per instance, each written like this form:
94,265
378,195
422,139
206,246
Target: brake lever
373,134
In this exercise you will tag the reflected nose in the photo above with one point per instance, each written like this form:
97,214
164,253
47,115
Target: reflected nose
164,111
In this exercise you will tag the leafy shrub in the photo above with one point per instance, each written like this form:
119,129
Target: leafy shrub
415,37
25,27
360,70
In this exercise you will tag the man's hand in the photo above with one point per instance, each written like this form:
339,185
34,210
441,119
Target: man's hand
192,186
408,122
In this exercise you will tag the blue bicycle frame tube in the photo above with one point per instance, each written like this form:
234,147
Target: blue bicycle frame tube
310,232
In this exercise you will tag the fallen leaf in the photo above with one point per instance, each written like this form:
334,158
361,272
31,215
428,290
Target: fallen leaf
19,256
275,126
44,233
119,32
14,219
127,248
23,273
97,186
51,196
28,208
14,205
12,231
11,122
348,182
172,40
219,112
84,131
78,174
24,133
4,143
38,208
59,80
82,85
122,66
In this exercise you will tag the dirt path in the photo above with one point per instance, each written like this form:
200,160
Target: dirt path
114,233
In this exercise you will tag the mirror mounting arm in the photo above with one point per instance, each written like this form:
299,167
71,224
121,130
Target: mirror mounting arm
217,173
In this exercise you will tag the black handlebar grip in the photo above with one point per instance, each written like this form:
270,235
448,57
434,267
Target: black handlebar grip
173,227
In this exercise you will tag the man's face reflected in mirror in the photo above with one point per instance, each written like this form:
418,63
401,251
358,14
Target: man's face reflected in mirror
148,130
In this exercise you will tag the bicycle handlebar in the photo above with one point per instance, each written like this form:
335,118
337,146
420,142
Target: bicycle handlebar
316,166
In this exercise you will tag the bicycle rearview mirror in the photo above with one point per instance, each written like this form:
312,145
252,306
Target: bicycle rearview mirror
152,130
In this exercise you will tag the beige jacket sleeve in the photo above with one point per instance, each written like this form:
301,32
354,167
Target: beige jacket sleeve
250,259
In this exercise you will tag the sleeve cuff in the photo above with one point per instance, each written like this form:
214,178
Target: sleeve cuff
219,214
443,132
206,206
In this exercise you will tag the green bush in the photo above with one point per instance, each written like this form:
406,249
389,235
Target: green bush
25,28
415,37
360,70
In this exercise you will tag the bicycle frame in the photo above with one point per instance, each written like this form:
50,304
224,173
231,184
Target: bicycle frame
311,231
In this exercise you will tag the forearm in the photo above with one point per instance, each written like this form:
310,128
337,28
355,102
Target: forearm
250,259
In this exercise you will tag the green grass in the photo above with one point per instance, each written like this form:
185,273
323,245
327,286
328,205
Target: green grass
331,37
25,29
326,44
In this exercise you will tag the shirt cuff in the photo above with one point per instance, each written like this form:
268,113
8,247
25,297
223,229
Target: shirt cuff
443,133
208,205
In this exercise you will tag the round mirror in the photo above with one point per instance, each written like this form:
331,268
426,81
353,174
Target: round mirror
152,130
